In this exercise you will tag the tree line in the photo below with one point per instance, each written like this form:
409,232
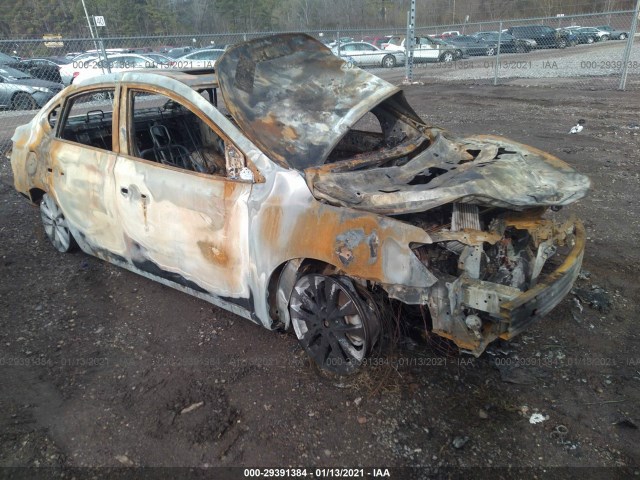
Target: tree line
34,18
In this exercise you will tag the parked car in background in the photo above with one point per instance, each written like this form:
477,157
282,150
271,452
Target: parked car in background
42,68
178,52
199,59
486,43
161,60
459,52
6,59
544,36
425,49
377,41
614,34
291,214
583,35
470,46
449,34
599,35
341,41
21,91
86,68
364,54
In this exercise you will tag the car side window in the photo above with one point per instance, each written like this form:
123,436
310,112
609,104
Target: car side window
88,119
167,132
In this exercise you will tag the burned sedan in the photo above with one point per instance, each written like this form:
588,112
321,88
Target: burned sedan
320,202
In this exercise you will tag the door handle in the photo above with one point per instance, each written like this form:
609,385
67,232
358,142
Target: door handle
124,191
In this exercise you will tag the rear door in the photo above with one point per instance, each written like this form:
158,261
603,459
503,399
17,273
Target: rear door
81,160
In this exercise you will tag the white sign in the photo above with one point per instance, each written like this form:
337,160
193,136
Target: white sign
99,21
560,15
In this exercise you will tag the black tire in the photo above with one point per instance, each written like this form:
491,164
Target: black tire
388,61
23,101
335,324
521,48
604,38
56,226
590,40
562,43
623,36
447,57
491,51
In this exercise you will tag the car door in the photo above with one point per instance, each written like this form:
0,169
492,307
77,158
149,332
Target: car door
372,55
6,91
81,159
182,189
426,50
355,51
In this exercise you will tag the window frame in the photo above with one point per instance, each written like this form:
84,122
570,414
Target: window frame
127,116
67,105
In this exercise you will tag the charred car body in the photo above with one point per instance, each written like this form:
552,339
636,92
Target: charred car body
288,213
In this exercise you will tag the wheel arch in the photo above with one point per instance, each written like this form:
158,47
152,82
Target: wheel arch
35,195
281,283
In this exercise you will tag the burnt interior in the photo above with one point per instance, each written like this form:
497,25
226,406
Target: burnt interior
380,131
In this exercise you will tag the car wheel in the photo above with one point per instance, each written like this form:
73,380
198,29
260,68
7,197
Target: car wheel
389,61
55,225
604,38
562,43
446,57
521,49
491,51
23,101
590,40
335,325
622,36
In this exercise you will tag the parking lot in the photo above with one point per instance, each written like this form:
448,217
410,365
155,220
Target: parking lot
101,367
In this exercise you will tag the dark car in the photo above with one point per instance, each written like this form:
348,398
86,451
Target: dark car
584,35
42,68
544,36
470,45
614,34
21,91
487,44
177,52
6,59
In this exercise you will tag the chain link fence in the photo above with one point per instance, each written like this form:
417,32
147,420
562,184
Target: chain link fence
547,51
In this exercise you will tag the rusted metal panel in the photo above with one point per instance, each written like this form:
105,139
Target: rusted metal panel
294,98
503,174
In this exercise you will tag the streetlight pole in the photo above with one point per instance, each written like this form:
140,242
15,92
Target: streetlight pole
93,36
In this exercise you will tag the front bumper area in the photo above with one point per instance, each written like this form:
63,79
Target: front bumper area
473,313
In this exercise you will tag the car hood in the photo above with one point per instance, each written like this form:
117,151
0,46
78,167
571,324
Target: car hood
295,99
482,170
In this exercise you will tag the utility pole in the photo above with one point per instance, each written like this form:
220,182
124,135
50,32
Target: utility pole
409,41
627,48
93,35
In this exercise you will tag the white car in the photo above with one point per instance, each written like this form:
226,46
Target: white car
365,54
425,49
199,59
92,66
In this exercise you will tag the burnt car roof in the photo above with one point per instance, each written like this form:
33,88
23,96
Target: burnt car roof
294,98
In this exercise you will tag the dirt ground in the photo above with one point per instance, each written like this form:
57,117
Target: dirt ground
100,367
